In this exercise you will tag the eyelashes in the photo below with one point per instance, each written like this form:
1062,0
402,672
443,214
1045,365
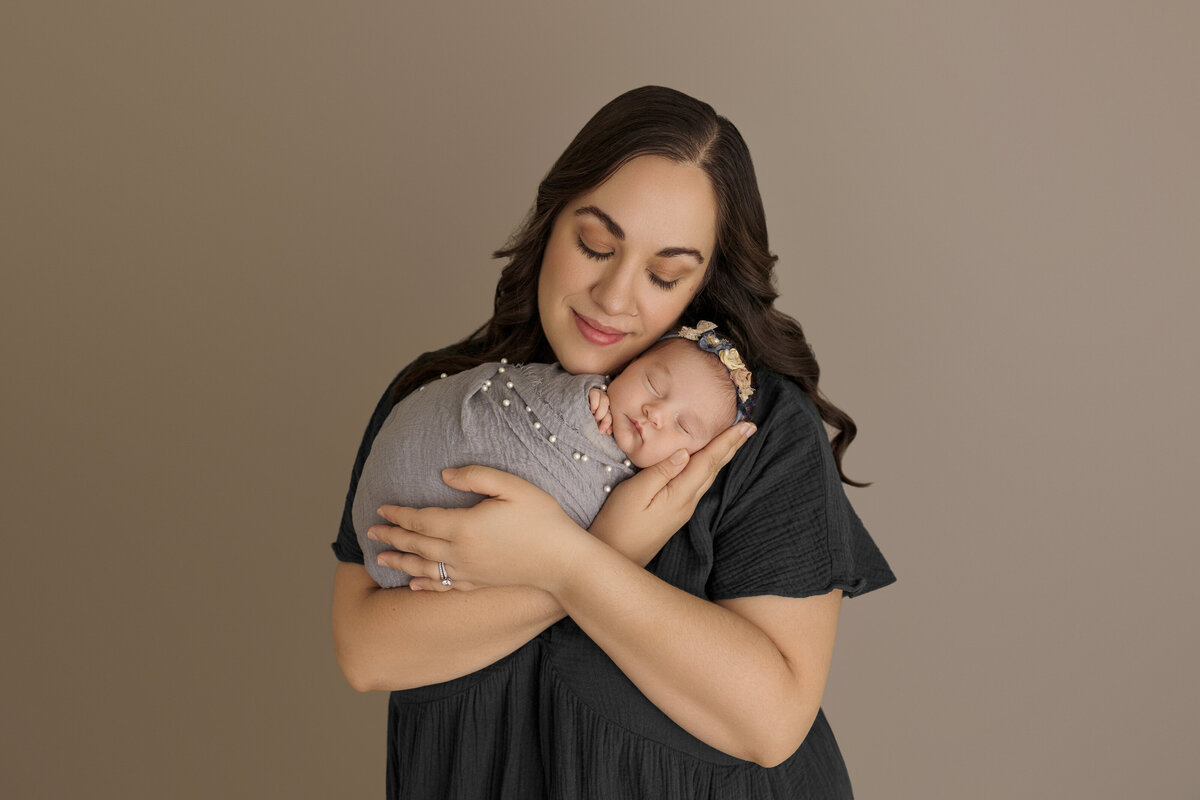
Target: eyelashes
592,254
598,256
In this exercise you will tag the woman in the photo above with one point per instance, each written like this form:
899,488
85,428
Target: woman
554,664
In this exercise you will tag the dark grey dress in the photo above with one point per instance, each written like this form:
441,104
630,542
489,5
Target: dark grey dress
557,719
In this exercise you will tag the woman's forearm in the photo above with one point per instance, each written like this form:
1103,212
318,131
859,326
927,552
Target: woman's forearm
389,639
713,671
744,675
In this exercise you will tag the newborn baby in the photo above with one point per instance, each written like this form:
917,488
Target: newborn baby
570,435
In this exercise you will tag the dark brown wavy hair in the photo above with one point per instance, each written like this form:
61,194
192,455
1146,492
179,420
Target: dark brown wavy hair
738,292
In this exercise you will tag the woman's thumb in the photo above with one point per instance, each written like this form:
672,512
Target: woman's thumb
666,470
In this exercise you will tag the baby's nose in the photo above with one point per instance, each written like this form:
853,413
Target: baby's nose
652,414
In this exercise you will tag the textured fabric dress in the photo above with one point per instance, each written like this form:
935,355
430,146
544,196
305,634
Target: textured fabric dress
557,719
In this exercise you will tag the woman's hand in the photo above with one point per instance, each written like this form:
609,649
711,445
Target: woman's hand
643,512
516,536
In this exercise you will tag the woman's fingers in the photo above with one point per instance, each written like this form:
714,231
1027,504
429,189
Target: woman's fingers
483,480
704,464
411,563
639,491
425,575
424,584
408,542
687,477
679,481
403,535
511,537
662,473
644,511
428,523
403,517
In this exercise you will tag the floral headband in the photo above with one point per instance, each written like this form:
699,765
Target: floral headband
707,339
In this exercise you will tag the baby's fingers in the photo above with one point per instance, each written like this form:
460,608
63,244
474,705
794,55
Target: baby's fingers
602,411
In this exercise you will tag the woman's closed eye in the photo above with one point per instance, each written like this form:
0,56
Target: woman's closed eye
661,283
590,253
597,255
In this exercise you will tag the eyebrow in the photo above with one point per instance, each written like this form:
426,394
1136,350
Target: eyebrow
617,231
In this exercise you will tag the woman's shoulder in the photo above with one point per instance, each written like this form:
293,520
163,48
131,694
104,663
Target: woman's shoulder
791,445
782,409
781,521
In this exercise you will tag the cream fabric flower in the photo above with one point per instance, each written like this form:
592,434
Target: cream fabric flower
705,335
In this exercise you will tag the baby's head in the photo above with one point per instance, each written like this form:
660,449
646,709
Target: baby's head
675,395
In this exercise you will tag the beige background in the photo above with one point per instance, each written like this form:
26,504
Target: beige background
226,225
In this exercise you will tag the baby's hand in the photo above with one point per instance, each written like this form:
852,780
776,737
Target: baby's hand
598,400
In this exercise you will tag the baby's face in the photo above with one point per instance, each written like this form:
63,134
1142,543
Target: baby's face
676,396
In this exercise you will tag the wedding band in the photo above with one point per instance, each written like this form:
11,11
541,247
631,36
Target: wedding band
442,571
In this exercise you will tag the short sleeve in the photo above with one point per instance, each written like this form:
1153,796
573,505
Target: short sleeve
345,547
784,525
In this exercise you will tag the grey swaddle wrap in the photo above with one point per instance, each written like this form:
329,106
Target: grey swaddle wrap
455,421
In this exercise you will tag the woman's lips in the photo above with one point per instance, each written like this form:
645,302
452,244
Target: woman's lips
596,333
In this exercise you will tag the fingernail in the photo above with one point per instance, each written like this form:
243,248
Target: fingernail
371,534
679,457
414,587
748,429
449,473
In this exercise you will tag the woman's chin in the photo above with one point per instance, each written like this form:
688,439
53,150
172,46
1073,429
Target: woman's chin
581,357
585,363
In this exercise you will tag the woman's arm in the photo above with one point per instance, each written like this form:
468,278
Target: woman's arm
388,639
746,676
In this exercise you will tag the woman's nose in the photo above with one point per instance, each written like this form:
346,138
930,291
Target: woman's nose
613,291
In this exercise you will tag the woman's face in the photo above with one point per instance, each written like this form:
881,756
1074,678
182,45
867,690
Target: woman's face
623,261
